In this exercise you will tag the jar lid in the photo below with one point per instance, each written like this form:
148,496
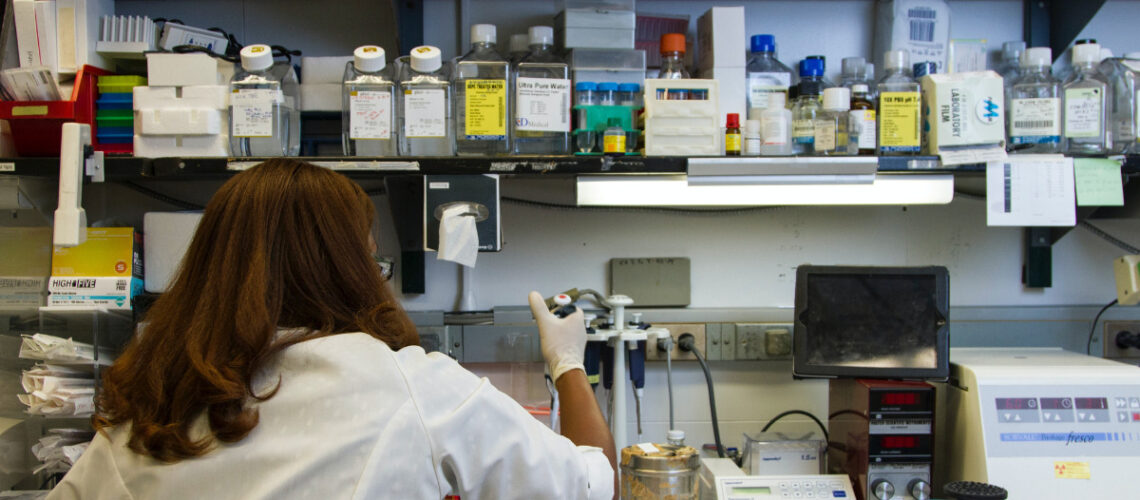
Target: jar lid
660,457
837,99
483,33
629,87
607,86
258,57
541,35
368,58
1037,56
763,43
586,86
426,59
673,42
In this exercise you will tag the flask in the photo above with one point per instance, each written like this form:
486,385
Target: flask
900,107
766,75
1035,106
425,105
264,120
481,104
368,105
542,98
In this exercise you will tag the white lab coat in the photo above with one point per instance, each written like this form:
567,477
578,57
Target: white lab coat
353,419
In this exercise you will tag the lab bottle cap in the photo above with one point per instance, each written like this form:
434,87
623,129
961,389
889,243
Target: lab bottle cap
584,86
1037,56
860,87
673,42
811,67
837,99
520,42
256,57
896,59
608,87
732,120
752,127
483,33
854,65
1105,53
1012,49
763,43
924,68
541,35
870,71
777,100
368,58
629,87
426,59
1086,53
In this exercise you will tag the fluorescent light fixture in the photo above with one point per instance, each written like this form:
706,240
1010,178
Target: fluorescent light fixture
676,191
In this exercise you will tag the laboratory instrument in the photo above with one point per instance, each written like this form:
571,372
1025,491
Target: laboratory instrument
1085,98
883,437
542,98
425,105
481,105
1035,105
368,105
264,118
899,107
1040,422
721,479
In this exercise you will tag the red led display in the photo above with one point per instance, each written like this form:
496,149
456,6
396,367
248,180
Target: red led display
899,398
1092,403
897,442
1016,403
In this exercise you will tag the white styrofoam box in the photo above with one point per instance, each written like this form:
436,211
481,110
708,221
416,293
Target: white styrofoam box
721,38
177,70
161,146
323,69
607,65
595,28
198,96
321,97
921,27
179,121
166,237
733,86
682,127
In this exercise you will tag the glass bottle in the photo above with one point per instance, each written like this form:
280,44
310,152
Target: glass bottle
542,98
753,139
368,105
766,75
481,104
673,57
732,143
776,127
831,125
807,106
519,47
263,118
862,120
899,106
1034,118
613,140
854,71
425,118
1084,104
1011,58
1123,74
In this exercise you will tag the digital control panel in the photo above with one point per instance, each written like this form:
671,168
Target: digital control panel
1058,420
784,487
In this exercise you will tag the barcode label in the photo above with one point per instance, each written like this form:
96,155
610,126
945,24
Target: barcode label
1007,181
1034,124
922,24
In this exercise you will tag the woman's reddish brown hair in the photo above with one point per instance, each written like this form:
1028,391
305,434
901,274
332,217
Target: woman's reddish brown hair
284,244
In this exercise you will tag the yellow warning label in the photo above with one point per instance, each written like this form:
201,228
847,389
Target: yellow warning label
613,143
899,119
732,142
1071,470
486,109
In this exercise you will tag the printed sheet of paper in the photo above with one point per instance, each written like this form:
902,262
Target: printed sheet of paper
1031,190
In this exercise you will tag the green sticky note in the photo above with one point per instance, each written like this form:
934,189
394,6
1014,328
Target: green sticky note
1098,182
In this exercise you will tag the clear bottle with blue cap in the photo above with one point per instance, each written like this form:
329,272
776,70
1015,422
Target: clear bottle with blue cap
264,119
425,120
482,108
807,106
368,105
541,98
766,75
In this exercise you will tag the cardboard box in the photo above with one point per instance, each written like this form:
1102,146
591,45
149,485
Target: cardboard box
25,267
964,117
166,237
921,27
721,39
106,270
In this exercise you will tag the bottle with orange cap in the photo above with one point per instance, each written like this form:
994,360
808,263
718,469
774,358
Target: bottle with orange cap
673,56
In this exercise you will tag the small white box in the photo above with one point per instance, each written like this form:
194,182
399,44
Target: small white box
921,27
684,127
166,236
595,29
321,97
963,115
721,38
323,69
733,86
184,121
177,70
200,96
161,146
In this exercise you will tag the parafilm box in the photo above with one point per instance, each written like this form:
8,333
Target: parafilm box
106,270
963,117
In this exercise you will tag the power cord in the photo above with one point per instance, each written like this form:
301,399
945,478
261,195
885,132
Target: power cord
1092,329
822,428
687,342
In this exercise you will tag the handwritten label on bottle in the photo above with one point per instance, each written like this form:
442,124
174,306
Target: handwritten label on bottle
253,112
1083,112
824,135
425,113
370,114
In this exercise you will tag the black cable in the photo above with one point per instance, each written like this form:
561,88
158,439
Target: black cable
183,204
1092,329
1109,238
826,438
649,210
686,343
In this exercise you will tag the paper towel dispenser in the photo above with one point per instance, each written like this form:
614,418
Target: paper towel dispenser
478,193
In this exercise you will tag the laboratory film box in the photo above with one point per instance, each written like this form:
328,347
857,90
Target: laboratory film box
721,39
106,270
25,267
964,117
920,27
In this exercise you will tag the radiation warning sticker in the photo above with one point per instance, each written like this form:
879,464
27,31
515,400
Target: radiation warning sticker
1071,470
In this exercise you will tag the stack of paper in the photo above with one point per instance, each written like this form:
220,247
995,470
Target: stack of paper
60,448
58,391
50,348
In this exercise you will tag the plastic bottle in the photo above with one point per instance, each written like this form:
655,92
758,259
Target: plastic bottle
629,94
425,105
1034,122
542,98
776,128
752,138
854,71
899,107
766,75
519,47
807,106
862,120
369,105
673,57
831,126
823,72
1123,75
613,141
1010,67
481,105
732,139
264,120
1084,114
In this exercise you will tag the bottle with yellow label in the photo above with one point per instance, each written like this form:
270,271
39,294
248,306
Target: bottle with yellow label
900,107
613,140
481,105
732,135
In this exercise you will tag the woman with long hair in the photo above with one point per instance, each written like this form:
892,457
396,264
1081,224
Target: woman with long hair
279,365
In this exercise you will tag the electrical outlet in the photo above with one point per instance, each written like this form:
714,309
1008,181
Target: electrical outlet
1112,329
676,330
763,341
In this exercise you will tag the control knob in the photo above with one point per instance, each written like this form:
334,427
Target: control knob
919,489
883,489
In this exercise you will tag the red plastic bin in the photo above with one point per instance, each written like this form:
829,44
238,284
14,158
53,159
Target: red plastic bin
37,126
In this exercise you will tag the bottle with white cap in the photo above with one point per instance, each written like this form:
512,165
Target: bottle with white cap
1085,119
900,107
264,120
424,116
482,109
1011,59
519,48
831,126
368,105
1123,74
541,95
854,71
1035,105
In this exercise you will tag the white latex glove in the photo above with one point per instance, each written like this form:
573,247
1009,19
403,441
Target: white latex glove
563,339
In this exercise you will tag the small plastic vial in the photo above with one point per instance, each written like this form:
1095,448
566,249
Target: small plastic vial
628,94
585,93
732,135
613,141
752,138
831,137
776,127
369,105
607,93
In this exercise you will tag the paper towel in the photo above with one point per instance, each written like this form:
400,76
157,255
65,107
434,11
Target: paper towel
458,239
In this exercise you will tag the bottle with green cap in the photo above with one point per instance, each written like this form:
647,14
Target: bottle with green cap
424,117
613,140
368,105
264,119
482,108
542,98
